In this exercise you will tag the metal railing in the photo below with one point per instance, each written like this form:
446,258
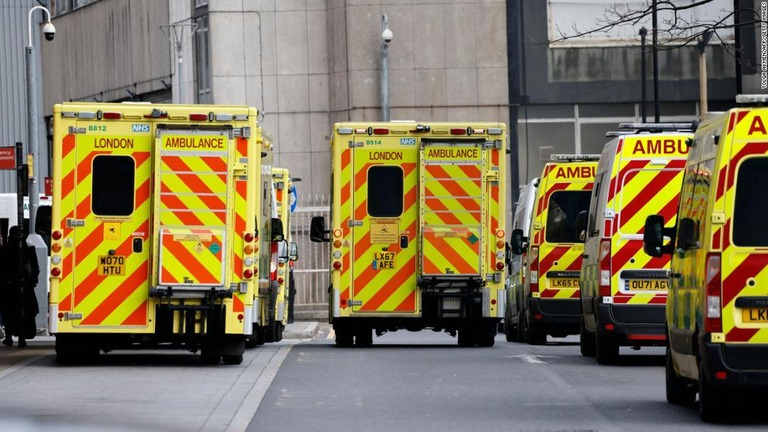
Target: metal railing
310,272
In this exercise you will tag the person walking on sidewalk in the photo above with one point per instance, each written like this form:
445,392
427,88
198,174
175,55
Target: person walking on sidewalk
19,271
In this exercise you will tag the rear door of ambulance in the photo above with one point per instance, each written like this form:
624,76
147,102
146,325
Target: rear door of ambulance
106,206
646,179
192,188
379,191
564,192
743,236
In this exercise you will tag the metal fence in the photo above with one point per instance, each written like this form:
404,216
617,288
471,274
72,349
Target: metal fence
311,270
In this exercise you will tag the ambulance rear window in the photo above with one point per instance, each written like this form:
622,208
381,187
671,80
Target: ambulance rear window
751,206
112,190
385,191
562,210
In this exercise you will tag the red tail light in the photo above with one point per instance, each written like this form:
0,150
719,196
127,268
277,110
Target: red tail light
336,265
713,322
56,235
605,268
381,131
55,272
247,274
248,237
112,116
198,117
534,269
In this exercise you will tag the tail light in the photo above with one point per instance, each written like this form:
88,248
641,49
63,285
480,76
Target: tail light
273,262
534,269
605,268
713,322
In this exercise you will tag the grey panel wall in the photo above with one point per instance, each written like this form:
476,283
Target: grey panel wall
13,96
107,51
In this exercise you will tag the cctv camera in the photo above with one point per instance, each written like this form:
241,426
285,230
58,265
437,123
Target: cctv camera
387,35
49,31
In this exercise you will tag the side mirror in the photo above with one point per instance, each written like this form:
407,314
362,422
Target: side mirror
282,251
686,234
581,225
293,251
277,230
317,231
517,242
653,237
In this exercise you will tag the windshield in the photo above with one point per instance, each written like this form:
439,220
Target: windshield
563,208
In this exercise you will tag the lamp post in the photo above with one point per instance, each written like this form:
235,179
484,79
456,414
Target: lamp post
643,34
655,47
32,150
386,38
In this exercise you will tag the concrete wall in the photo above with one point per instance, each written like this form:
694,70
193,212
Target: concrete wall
107,51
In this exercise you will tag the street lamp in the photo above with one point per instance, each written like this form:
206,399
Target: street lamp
386,38
34,195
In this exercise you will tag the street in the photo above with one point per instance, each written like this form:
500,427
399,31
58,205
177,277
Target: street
406,381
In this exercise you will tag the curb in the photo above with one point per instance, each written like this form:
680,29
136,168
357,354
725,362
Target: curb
300,330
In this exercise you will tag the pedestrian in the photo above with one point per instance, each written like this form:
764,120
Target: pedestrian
19,306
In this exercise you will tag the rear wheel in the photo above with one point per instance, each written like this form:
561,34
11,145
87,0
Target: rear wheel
364,337
344,337
606,350
520,327
486,335
679,391
714,404
510,330
209,359
466,337
232,359
536,336
586,341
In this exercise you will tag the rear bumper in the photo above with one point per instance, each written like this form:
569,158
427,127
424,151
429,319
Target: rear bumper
556,314
744,365
640,325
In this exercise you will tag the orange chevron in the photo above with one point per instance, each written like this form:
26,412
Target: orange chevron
118,296
201,274
390,287
408,304
453,257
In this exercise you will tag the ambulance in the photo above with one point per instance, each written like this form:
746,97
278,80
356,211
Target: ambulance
549,302
286,249
717,309
623,290
417,230
518,265
155,221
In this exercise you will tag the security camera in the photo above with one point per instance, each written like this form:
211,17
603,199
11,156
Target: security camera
49,31
387,35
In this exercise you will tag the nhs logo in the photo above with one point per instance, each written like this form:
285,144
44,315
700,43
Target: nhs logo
140,128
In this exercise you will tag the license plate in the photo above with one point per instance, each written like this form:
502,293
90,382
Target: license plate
111,265
646,284
564,283
754,315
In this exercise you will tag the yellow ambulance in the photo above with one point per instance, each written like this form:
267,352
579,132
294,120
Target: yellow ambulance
717,310
286,250
417,229
623,290
549,302
154,228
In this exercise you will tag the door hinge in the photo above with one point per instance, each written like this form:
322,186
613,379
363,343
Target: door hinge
75,223
353,144
244,132
354,302
76,130
354,223
240,170
496,144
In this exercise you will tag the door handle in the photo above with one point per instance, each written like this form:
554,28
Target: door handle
403,242
138,245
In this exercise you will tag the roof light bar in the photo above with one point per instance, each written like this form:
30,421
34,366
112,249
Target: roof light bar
88,115
494,131
421,129
657,127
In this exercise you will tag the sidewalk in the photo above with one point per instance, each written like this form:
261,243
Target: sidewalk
301,330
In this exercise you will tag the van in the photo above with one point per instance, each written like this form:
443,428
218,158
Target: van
523,210
549,303
717,309
623,290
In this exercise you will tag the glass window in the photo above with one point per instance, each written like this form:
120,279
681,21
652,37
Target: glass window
112,187
592,229
751,207
562,210
385,191
203,61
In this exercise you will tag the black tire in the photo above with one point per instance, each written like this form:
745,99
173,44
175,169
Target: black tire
256,338
679,391
586,341
344,338
232,359
466,337
536,336
364,337
73,350
209,359
510,330
606,350
520,329
714,404
279,327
